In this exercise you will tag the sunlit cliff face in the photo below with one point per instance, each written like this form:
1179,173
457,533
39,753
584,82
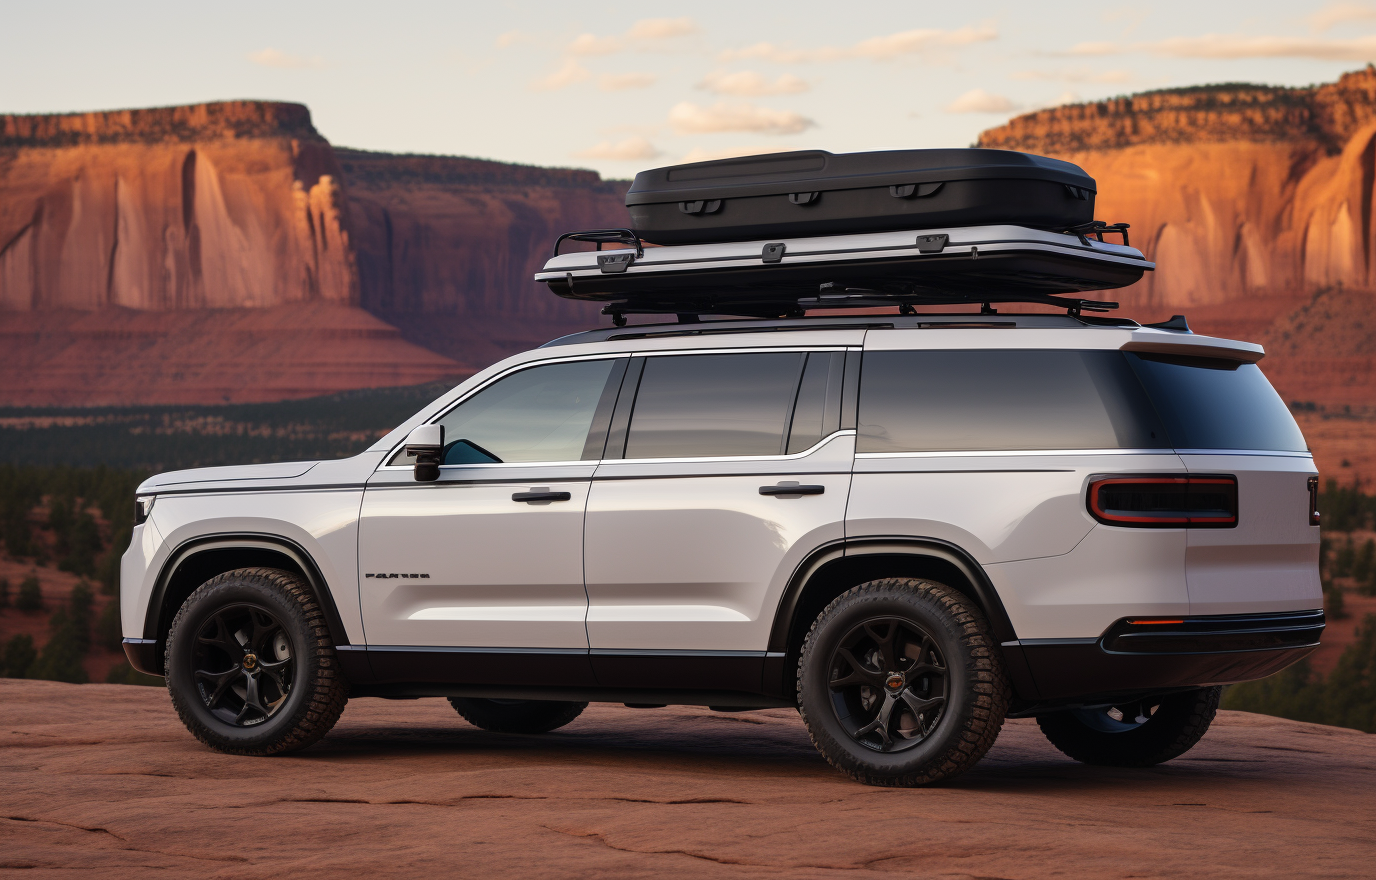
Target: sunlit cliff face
1236,191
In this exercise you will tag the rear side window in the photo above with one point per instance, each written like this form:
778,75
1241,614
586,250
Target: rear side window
692,406
1209,403
935,401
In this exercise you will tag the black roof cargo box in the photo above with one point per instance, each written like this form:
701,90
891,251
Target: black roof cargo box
1000,263
813,192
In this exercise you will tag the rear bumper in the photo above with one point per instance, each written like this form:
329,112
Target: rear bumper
143,655
1140,655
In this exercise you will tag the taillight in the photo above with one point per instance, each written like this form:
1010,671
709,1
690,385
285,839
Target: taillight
1313,501
1168,502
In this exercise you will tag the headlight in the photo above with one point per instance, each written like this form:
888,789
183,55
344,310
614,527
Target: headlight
142,508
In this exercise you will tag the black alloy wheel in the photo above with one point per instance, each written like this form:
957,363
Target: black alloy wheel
888,684
250,665
1134,733
242,664
900,682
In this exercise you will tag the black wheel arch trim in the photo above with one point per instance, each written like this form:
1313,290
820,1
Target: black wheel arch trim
932,548
192,547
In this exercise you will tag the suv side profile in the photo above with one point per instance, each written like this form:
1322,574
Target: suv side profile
907,527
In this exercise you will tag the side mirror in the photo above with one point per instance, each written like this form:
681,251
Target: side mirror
426,443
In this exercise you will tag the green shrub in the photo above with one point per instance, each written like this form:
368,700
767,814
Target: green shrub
1346,698
4,592
30,597
18,658
109,632
60,659
126,674
79,610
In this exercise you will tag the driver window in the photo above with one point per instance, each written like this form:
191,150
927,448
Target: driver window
540,414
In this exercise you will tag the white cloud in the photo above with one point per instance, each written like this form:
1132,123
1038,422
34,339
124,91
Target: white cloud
591,44
1078,75
689,118
277,58
620,82
980,101
630,150
1067,97
647,30
1335,14
749,84
698,154
1235,46
661,28
572,72
914,42
1093,49
512,38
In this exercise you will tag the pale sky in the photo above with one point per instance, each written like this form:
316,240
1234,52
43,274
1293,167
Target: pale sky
620,87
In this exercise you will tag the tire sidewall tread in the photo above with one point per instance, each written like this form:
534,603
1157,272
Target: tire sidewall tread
319,689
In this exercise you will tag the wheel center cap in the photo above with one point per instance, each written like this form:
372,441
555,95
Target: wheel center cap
250,661
895,681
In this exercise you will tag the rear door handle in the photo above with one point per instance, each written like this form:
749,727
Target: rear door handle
792,489
539,494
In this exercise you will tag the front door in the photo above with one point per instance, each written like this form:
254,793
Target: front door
693,533
490,557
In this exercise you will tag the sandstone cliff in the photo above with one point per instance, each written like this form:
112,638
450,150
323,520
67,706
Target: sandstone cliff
211,206
1237,191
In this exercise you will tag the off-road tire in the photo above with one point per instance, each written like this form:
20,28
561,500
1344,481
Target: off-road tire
1179,722
516,716
318,691
977,688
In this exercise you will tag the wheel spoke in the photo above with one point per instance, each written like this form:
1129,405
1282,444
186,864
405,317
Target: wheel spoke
885,642
880,724
919,705
859,674
264,627
252,699
222,680
222,638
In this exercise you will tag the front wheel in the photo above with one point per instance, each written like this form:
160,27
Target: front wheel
250,665
516,716
1136,733
900,683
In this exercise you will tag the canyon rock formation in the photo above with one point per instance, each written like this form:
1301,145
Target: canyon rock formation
122,232
1237,191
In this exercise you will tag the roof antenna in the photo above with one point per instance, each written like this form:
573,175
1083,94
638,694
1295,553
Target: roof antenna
987,309
688,318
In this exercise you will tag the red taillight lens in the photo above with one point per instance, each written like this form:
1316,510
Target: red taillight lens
1313,501
1171,502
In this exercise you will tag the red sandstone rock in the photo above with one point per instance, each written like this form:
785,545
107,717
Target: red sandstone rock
103,780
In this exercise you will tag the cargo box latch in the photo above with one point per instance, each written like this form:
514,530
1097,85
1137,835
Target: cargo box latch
773,253
909,190
701,206
931,244
804,198
613,263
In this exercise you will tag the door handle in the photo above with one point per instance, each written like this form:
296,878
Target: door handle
792,489
539,494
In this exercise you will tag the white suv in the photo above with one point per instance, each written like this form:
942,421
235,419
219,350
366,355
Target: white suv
908,527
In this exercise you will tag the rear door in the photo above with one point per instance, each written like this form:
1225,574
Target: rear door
691,529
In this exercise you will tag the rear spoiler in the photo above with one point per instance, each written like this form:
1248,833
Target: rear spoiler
1153,341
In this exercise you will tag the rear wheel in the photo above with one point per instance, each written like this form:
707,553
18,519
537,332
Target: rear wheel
1138,733
900,683
516,716
250,665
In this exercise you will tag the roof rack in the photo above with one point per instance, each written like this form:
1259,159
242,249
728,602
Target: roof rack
831,296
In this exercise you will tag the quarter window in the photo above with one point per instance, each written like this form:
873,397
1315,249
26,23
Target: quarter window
692,406
931,401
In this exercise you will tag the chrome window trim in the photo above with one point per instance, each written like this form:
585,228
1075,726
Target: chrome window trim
794,456
1000,453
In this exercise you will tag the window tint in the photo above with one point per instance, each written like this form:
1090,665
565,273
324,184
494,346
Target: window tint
1216,404
713,404
818,411
919,401
539,414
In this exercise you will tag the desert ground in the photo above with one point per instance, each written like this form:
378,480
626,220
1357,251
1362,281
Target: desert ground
102,780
